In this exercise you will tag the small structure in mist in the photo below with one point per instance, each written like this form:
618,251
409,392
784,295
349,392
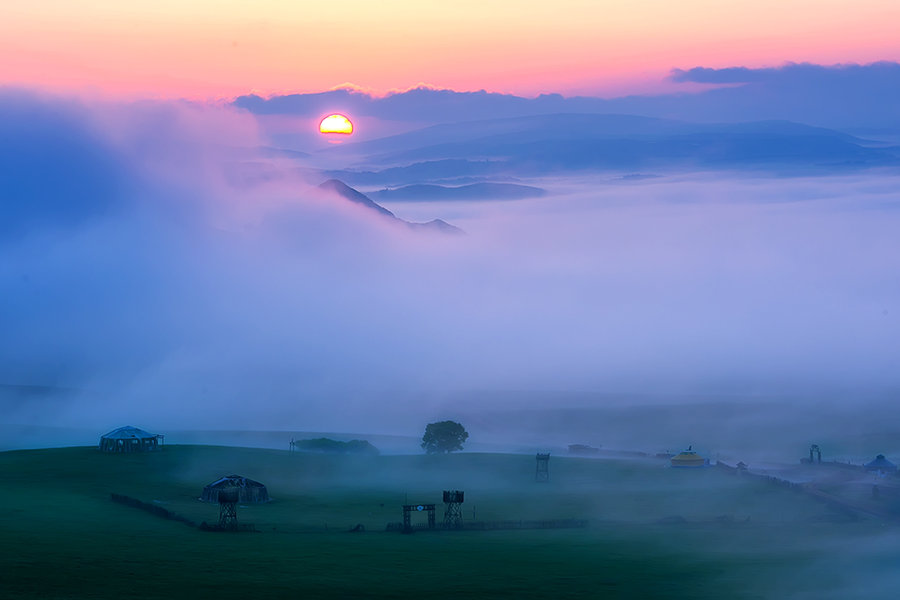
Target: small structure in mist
130,439
815,456
542,467
228,498
881,464
247,490
453,511
409,509
689,459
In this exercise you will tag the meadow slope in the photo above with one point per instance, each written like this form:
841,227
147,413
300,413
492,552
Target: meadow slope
654,532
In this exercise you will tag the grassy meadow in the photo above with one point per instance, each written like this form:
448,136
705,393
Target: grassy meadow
654,532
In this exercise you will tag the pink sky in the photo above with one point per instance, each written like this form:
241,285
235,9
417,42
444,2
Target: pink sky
206,48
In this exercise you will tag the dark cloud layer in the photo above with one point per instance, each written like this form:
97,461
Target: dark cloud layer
883,75
846,96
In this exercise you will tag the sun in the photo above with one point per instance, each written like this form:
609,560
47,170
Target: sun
336,123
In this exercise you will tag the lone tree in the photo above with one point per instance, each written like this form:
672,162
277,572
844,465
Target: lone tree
444,436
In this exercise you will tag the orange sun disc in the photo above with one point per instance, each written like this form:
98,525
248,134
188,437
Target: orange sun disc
336,124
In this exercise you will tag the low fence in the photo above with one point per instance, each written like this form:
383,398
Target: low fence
799,487
840,504
165,513
496,525
235,527
542,524
153,509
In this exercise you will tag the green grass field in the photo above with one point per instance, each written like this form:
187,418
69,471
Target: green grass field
61,536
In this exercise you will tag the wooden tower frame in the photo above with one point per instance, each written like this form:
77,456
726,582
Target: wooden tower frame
453,512
228,499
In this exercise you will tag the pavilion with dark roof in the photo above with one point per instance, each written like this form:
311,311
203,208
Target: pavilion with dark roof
130,439
881,464
249,491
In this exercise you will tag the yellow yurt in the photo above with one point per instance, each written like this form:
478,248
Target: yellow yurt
689,459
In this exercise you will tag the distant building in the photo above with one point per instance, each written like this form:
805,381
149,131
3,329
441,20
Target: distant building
881,464
130,439
249,491
689,459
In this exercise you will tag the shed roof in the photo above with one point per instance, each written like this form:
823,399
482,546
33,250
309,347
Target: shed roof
234,481
128,432
881,462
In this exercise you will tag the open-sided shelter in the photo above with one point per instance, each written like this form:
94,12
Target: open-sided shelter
249,491
881,464
130,439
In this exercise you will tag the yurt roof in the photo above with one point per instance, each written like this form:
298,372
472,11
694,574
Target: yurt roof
235,481
128,432
881,461
688,457
687,454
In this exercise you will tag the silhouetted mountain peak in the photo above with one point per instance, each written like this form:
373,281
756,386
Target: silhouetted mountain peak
339,188
472,191
438,225
343,190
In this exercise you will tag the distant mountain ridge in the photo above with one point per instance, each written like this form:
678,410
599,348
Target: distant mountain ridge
418,172
342,190
348,193
510,138
473,191
563,143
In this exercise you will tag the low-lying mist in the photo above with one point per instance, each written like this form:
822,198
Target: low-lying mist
146,278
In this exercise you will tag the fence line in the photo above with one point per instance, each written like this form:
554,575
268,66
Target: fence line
153,509
496,525
810,489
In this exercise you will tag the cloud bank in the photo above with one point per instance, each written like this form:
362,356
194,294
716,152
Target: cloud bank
870,77
145,268
844,96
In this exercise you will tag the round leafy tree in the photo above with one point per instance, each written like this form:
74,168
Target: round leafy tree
444,436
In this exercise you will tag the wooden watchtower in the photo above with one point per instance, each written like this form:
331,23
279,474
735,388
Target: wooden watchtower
228,499
453,512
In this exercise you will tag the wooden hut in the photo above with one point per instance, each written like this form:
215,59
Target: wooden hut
130,439
249,491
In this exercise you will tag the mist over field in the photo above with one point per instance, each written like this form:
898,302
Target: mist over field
419,299
605,281
160,264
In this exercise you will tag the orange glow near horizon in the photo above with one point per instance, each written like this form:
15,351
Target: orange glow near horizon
336,123
223,48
